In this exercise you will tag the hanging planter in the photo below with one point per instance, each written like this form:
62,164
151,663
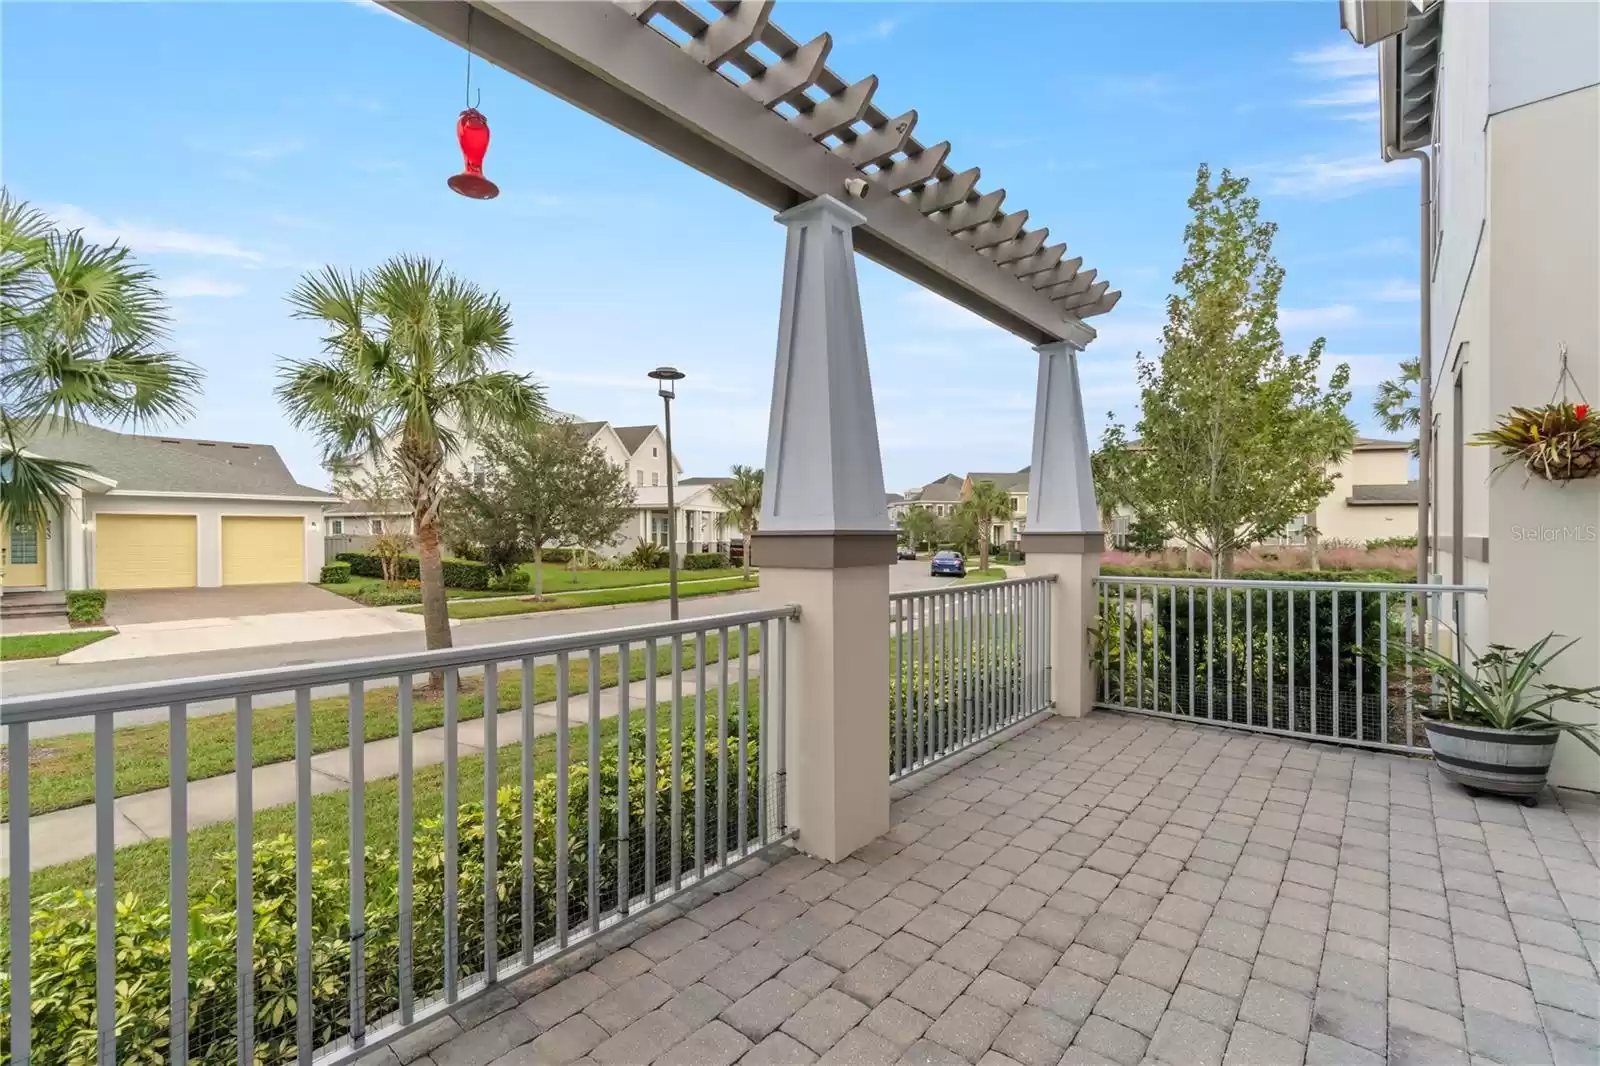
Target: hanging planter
1559,441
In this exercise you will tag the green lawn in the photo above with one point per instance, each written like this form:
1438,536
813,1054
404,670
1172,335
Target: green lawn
597,598
557,578
357,584
61,769
142,869
994,573
46,645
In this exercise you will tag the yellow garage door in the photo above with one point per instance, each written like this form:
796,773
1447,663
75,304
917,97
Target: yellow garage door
262,551
144,551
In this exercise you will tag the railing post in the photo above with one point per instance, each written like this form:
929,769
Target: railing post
825,542
1063,539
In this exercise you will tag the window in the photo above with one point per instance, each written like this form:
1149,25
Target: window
658,527
336,526
641,478
1119,530
375,526
653,453
1458,481
655,480
1016,504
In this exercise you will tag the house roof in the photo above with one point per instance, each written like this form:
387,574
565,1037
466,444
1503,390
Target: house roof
894,497
588,429
945,490
1011,482
713,480
370,507
149,463
633,437
1376,444
1369,495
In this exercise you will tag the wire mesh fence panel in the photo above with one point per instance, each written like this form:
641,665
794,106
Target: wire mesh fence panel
451,819
1329,660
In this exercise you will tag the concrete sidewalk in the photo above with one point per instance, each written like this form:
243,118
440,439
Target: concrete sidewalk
145,639
61,836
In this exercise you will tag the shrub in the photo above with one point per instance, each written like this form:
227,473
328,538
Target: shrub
1391,542
63,929
458,573
86,607
705,561
335,574
646,556
559,556
388,595
511,581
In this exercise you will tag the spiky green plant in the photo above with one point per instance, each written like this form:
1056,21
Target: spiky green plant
1559,441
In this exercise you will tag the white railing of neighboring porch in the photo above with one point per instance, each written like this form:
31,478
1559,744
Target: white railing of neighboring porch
413,931
1327,660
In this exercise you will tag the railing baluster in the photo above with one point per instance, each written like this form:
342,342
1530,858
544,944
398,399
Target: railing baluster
1271,665
491,821
624,777
1228,610
1249,657
20,926
722,747
897,626
358,858
1360,650
1191,651
594,791
452,832
243,879
1411,669
1311,642
529,932
744,734
1172,648
304,1032
763,741
780,734
407,842
700,640
1138,644
1294,652
563,826
651,659
1333,655
1211,640
178,886
1383,669
676,721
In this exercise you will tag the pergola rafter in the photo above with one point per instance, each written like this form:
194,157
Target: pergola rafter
737,97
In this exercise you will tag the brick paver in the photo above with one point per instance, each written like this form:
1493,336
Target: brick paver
1110,889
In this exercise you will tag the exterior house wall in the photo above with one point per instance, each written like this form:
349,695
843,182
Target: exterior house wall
650,460
1337,519
208,527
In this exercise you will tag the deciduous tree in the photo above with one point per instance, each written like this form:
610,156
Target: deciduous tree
1236,436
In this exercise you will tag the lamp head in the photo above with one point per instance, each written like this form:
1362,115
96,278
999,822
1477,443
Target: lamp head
667,378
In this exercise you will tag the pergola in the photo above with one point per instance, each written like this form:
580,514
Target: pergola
723,89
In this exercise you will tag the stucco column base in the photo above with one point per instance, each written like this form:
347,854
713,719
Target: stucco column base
1073,559
836,681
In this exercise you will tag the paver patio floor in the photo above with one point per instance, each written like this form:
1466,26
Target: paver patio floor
1112,889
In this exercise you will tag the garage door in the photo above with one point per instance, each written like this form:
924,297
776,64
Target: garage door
144,551
263,551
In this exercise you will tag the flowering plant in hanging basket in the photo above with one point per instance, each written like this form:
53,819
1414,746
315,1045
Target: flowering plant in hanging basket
1558,442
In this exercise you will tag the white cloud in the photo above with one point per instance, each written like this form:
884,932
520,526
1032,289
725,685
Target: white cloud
1322,178
1315,318
880,30
199,285
1394,291
150,239
1333,62
1366,371
638,383
1352,74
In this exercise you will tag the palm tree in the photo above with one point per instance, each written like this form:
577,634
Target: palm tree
1396,403
407,376
83,329
986,504
741,494
919,525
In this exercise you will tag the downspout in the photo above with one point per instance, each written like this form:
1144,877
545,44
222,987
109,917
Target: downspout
1424,356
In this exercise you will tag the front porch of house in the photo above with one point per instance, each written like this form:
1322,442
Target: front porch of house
1108,889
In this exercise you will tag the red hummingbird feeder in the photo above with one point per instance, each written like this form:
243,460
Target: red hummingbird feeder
472,132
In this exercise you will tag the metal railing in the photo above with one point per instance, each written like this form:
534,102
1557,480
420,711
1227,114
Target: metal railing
966,662
1330,660
310,948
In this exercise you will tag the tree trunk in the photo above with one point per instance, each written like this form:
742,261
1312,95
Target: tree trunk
748,533
1188,556
1316,552
538,572
983,552
435,613
1222,564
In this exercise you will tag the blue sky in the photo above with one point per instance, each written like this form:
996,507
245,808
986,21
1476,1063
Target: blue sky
236,145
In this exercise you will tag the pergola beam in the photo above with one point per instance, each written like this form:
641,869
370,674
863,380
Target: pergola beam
686,98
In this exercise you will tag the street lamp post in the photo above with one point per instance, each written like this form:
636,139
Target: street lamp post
667,379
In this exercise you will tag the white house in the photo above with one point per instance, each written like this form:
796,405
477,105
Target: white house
1504,100
166,512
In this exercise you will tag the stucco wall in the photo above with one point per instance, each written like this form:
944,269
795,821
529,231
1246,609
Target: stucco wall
208,527
1544,200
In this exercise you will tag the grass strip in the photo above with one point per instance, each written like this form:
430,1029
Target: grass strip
599,598
994,573
61,769
46,645
558,578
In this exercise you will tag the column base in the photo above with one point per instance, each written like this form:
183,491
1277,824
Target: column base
1074,560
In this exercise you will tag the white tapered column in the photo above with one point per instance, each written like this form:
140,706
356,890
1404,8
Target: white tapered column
1064,536
825,541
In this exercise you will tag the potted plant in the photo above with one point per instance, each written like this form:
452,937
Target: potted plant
1558,442
1491,726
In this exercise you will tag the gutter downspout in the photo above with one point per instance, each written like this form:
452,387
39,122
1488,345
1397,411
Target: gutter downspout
1424,357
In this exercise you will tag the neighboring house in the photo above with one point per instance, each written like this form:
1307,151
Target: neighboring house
1505,100
941,496
641,451
896,503
1007,531
166,512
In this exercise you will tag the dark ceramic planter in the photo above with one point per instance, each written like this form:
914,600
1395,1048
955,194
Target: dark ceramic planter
1506,762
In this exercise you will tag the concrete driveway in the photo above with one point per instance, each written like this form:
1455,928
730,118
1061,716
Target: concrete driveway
138,606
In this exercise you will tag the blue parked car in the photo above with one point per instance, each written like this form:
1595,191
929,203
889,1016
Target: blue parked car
948,564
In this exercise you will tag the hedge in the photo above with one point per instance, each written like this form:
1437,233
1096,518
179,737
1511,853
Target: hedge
1375,575
86,607
63,931
516,580
458,573
705,561
558,556
335,574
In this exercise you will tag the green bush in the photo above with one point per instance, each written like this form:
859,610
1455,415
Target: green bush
388,595
63,930
511,581
1392,542
705,561
458,573
559,556
1379,575
646,556
86,607
335,574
